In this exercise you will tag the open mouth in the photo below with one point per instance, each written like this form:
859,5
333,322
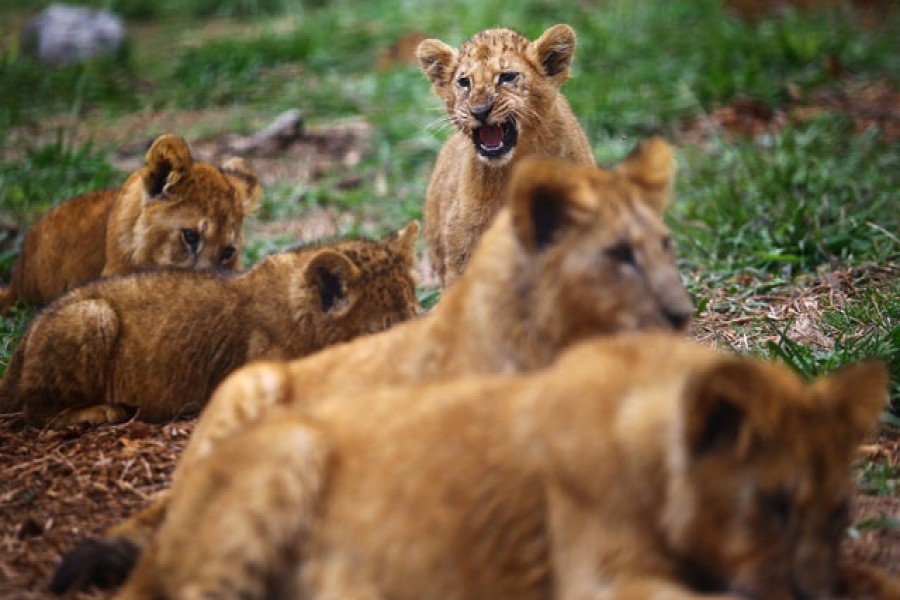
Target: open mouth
496,140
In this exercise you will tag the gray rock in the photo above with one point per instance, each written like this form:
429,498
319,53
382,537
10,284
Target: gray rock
62,34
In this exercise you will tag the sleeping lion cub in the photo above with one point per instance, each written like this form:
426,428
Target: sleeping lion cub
577,252
172,212
158,343
643,467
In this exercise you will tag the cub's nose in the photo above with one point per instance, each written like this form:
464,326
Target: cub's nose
678,318
481,111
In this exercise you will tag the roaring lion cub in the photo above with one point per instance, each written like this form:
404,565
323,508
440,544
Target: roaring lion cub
502,92
577,252
159,342
172,212
643,467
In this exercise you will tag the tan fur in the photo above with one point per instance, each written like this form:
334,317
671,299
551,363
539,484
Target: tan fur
578,252
159,342
467,189
143,224
642,467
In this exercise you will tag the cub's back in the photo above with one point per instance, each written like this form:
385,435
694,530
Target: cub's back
65,249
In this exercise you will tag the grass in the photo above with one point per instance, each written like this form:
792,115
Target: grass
45,175
808,197
866,328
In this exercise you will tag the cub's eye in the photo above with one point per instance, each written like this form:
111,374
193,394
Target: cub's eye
778,505
227,254
191,237
463,82
507,77
621,252
667,243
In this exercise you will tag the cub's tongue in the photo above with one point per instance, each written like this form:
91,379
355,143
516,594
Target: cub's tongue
490,136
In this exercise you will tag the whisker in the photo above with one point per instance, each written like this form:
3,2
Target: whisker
441,123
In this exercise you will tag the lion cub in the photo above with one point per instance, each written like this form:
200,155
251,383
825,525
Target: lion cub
577,252
502,92
172,212
159,342
641,467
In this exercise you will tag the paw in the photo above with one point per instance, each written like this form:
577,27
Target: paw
100,414
100,562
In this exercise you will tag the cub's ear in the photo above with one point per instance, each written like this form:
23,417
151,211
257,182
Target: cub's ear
651,167
404,241
166,162
437,61
857,394
546,196
554,51
243,177
332,275
722,405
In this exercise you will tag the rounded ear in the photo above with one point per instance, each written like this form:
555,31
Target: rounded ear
857,394
166,162
404,241
719,405
545,197
332,275
554,51
436,60
243,177
651,167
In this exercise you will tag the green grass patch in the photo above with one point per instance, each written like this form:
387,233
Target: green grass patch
32,90
12,327
144,10
810,195
880,479
50,173
45,176
643,65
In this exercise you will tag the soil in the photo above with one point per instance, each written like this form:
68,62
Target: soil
57,487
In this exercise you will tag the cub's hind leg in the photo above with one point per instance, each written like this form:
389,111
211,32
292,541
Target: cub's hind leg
61,369
236,524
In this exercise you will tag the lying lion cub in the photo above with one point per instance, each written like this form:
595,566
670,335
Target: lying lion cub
644,467
172,212
577,252
159,342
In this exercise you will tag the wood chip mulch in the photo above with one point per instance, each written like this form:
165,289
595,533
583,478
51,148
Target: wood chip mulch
57,487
